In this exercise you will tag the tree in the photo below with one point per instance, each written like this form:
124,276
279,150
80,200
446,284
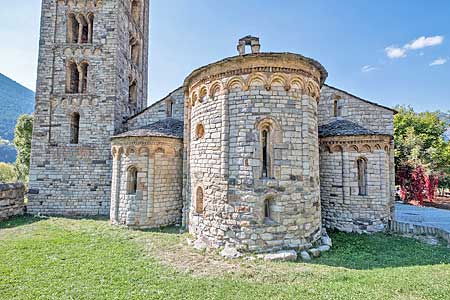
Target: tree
431,182
419,138
22,141
418,184
7,173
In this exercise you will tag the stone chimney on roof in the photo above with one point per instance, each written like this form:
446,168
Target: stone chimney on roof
249,41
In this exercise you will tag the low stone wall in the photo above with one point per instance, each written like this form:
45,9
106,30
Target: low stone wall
11,200
403,227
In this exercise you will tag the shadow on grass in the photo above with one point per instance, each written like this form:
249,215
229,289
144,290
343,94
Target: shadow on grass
30,219
165,230
20,221
366,252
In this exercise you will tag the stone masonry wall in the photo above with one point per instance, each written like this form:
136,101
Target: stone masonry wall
226,163
70,178
342,206
158,111
157,201
11,200
368,115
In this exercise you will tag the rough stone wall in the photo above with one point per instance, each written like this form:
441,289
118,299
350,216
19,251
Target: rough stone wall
368,115
70,178
342,206
226,161
158,111
11,200
157,201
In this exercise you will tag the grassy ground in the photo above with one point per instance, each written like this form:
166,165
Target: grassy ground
60,258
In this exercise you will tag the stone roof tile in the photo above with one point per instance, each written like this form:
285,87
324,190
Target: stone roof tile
168,127
344,128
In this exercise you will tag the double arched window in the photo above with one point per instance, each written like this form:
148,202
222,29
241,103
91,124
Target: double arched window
77,78
361,165
80,28
132,180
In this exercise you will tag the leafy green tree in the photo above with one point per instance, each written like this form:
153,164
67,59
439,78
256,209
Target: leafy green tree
22,141
7,172
419,138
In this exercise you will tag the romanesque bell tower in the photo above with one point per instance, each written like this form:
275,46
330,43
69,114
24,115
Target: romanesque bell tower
92,75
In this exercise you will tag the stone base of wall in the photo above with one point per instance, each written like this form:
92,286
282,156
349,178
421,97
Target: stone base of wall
355,225
409,228
11,200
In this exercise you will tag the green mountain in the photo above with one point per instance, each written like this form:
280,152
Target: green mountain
15,100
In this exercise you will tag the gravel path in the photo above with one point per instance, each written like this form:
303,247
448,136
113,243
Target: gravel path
423,216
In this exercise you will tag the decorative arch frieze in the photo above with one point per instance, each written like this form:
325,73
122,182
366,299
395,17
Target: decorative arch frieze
359,144
215,88
81,4
294,83
257,79
236,82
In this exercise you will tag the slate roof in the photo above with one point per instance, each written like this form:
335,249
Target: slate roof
344,128
168,127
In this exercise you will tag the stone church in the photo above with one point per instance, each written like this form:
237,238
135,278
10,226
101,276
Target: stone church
254,150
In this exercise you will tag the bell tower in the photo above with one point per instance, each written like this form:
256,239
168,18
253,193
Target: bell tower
92,75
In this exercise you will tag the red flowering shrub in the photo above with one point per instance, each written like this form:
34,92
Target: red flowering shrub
431,182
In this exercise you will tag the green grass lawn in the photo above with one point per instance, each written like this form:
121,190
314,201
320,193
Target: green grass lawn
61,258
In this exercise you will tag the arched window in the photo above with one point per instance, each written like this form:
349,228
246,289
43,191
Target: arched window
136,11
135,51
265,152
132,180
72,78
72,29
74,128
169,108
83,77
199,200
270,135
199,131
132,92
90,27
362,176
267,208
84,30
337,107
80,28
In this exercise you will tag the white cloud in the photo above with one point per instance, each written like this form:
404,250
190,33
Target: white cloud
419,43
438,62
395,52
423,42
368,68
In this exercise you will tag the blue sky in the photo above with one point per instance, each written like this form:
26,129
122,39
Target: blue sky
390,52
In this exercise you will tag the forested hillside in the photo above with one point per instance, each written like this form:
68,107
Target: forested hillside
15,100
